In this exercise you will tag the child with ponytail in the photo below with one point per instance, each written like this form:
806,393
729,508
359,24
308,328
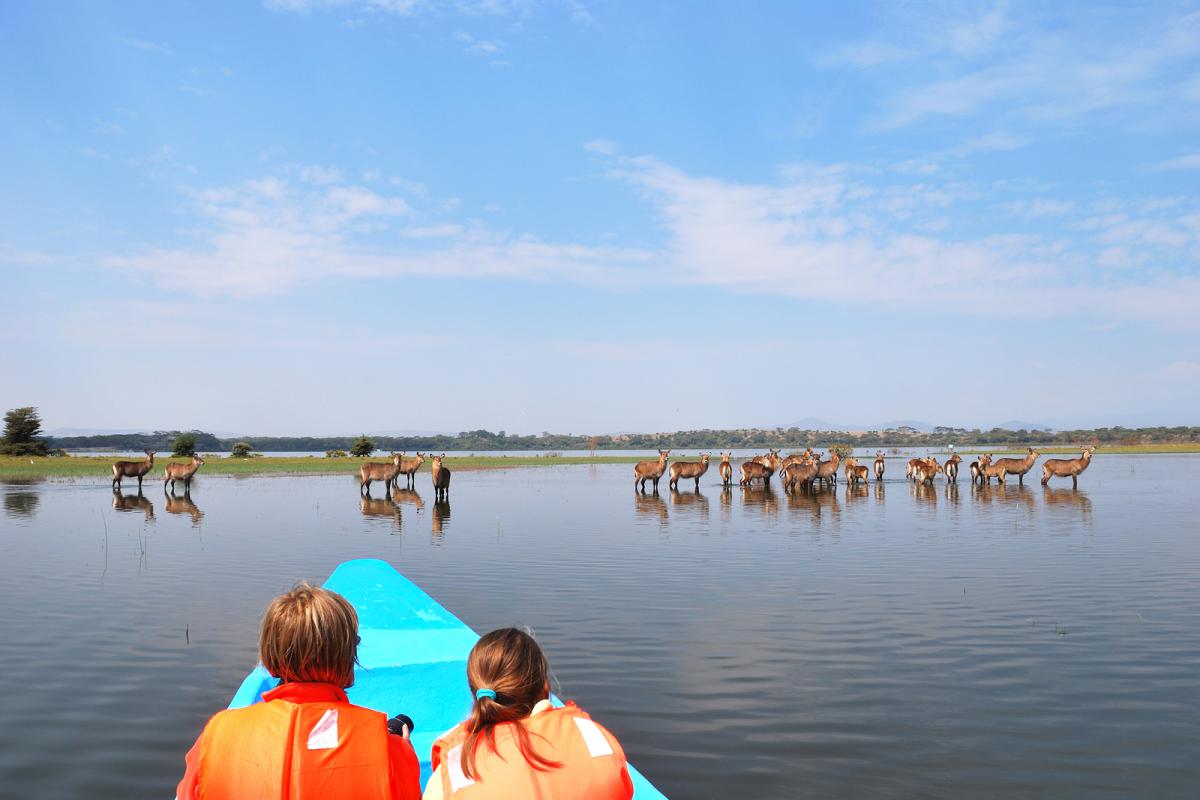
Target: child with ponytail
515,744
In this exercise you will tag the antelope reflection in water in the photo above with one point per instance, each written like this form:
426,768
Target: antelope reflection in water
925,494
1062,500
726,502
692,502
856,490
1006,494
650,506
879,491
133,502
440,519
184,505
952,495
762,498
408,497
822,504
380,507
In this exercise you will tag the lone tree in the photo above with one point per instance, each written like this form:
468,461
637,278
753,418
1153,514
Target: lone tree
21,429
362,447
241,450
184,444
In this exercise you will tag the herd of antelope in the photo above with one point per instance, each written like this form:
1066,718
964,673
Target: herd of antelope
388,472
806,470
173,472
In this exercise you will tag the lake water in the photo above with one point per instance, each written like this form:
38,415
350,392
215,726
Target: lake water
892,641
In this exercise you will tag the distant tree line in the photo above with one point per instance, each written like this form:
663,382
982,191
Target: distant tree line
750,438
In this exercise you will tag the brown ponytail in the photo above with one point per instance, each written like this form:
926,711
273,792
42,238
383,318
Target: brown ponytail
510,663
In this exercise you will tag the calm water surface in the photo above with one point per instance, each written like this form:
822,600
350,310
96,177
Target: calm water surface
1009,642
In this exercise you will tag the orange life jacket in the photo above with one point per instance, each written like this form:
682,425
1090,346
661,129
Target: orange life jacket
593,763
304,741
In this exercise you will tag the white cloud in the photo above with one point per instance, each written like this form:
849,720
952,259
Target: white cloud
1189,161
854,236
145,45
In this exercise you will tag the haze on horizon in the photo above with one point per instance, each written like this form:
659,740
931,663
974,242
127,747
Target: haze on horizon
332,216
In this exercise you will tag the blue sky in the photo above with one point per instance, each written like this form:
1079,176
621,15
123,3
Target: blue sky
326,216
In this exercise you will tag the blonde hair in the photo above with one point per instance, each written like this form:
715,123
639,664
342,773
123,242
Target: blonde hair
509,662
310,634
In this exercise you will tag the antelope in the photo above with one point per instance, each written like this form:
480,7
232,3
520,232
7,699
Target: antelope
827,470
650,471
992,470
409,467
855,473
441,479
926,470
688,469
374,471
912,468
1062,467
977,468
771,456
952,468
726,470
1019,466
754,470
879,465
799,473
132,469
182,472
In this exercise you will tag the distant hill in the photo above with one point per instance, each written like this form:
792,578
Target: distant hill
815,424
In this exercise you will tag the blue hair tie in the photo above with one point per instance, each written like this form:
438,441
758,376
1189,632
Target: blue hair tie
482,693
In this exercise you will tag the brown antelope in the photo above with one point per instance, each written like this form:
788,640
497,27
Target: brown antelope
910,473
772,458
182,472
133,502
827,470
977,468
992,470
855,473
755,471
441,479
1019,466
952,468
879,465
650,471
1062,467
184,505
374,471
726,470
409,467
688,469
926,470
132,469
800,474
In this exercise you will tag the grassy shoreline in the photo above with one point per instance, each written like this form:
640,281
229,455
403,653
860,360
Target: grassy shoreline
101,466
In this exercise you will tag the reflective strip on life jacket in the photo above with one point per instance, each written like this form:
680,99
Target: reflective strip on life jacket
593,763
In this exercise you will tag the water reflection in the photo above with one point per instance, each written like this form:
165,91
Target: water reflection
855,491
440,519
1063,500
762,499
821,504
21,502
183,505
650,507
1005,494
692,502
726,502
408,497
380,507
133,502
926,495
879,491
